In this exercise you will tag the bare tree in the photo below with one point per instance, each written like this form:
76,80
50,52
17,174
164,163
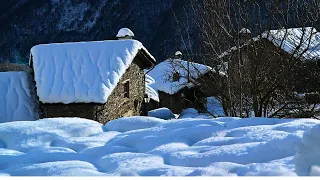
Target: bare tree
262,76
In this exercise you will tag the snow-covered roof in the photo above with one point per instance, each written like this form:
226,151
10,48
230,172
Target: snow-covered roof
123,32
163,75
307,39
16,102
84,72
303,43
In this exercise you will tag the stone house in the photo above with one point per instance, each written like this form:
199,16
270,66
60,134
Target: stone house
273,50
180,85
285,56
99,80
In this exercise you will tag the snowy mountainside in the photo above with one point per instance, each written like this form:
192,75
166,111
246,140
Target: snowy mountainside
32,22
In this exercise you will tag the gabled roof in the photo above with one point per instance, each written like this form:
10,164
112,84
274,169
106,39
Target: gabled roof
303,43
16,102
82,72
163,72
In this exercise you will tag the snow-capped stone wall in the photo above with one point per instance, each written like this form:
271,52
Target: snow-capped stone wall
16,103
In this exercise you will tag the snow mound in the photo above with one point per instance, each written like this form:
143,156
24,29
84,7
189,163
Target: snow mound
162,113
308,153
147,146
16,103
83,71
163,74
123,32
132,123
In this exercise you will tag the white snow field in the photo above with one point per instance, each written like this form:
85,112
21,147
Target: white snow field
15,98
147,146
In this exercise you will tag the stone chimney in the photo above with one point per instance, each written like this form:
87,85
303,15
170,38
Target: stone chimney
177,55
125,33
244,35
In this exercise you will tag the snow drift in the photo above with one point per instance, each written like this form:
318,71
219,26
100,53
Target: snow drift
308,153
147,146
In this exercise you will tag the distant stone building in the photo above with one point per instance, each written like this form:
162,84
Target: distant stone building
276,59
273,50
100,80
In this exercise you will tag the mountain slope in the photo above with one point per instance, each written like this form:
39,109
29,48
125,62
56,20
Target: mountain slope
30,22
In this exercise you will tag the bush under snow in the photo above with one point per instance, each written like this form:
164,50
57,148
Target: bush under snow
147,146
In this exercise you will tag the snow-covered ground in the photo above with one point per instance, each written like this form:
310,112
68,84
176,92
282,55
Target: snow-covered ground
150,146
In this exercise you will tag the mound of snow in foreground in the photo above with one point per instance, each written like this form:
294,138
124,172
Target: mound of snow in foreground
308,153
147,146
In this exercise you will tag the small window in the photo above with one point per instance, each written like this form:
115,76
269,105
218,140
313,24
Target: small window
176,76
126,89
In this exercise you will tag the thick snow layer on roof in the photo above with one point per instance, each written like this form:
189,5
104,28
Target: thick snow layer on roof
82,71
306,39
16,102
149,146
163,75
123,32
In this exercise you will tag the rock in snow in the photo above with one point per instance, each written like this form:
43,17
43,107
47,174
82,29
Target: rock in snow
147,146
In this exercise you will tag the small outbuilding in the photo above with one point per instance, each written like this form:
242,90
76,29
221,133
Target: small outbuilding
178,85
99,80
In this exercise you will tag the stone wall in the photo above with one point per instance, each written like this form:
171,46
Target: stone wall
12,67
120,106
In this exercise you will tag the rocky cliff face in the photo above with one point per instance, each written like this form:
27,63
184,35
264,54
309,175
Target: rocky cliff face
25,23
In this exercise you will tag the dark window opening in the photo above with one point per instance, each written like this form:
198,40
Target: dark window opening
126,89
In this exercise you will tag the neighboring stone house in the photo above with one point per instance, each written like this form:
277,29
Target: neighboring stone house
277,60
274,50
99,80
178,85
17,100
